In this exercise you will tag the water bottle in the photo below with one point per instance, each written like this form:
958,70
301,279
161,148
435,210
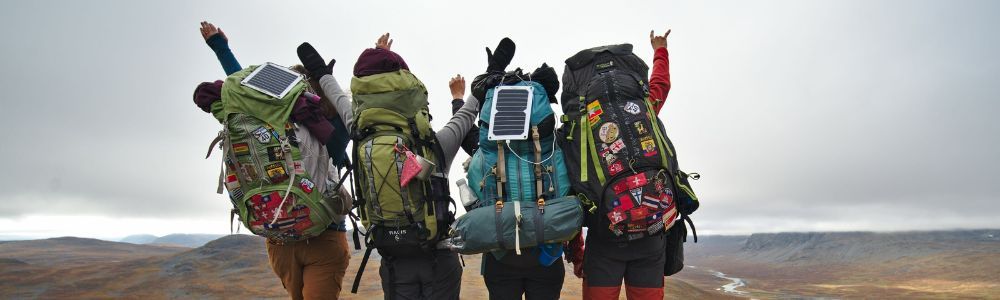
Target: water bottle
465,193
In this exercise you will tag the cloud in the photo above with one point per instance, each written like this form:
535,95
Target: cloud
832,115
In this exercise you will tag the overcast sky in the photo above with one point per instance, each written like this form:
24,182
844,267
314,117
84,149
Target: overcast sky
800,115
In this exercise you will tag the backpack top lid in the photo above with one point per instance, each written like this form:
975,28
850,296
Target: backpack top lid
584,57
248,98
386,82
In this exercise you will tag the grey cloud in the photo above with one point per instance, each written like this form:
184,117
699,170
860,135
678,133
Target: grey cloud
831,115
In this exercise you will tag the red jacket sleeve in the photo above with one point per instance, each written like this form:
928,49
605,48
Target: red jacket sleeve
659,82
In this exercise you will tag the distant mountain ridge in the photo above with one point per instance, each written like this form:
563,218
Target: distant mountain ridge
190,240
868,246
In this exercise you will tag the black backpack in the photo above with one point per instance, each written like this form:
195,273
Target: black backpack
617,152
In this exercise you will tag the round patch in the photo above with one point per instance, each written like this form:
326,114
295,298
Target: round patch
632,108
608,132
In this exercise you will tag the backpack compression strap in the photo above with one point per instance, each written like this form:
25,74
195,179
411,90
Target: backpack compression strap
501,177
539,200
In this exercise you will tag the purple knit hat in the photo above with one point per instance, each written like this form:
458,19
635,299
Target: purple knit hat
374,61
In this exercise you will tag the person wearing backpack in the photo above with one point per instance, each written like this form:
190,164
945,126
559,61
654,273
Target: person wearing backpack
519,210
400,169
313,268
623,163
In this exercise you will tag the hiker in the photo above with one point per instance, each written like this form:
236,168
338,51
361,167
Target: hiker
518,177
404,215
628,176
313,268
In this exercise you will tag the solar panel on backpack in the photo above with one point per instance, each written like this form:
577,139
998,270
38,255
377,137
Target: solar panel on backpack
510,112
272,79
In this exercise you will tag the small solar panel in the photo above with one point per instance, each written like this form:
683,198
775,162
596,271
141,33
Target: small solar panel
510,113
272,79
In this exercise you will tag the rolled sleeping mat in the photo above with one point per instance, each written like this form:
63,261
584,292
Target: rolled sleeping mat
480,230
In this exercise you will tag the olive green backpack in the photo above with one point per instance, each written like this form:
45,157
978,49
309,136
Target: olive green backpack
264,171
391,118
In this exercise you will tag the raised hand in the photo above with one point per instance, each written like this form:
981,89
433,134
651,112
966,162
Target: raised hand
208,30
313,62
499,59
384,42
457,86
658,41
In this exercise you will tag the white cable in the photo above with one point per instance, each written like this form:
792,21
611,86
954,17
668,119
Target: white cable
551,153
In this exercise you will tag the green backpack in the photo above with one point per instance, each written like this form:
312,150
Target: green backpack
270,189
391,119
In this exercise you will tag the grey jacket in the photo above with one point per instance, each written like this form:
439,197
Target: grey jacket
450,136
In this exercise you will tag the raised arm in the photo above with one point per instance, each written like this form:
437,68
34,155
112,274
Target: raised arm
217,40
458,126
659,81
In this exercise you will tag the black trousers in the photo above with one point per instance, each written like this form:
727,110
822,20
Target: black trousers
429,278
517,275
638,264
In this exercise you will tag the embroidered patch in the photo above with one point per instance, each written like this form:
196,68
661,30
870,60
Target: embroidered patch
638,214
623,203
262,135
236,193
616,217
306,185
274,153
636,227
250,173
273,132
264,205
615,230
640,128
290,132
667,200
655,227
659,185
648,146
302,224
298,168
276,173
605,150
636,194
241,149
232,182
651,202
594,112
299,211
636,181
632,108
610,158
620,187
617,146
608,132
616,168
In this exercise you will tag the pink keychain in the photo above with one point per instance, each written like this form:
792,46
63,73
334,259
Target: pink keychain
410,167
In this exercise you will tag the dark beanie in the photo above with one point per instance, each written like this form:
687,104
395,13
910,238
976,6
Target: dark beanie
374,61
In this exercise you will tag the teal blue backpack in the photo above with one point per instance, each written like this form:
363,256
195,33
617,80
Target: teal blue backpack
532,180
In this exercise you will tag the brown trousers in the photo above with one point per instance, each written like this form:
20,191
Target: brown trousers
314,268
